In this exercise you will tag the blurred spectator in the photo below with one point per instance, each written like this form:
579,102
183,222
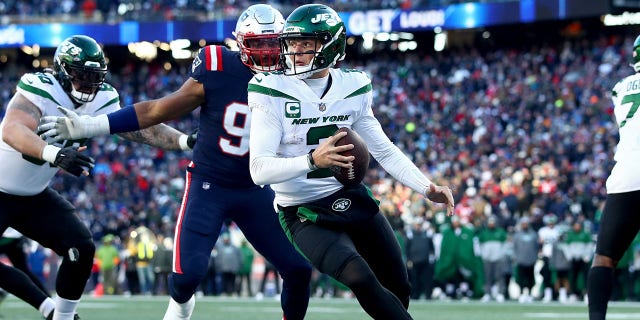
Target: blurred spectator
162,264
459,268
581,248
492,250
525,255
228,263
560,263
143,248
634,271
547,237
420,258
270,284
246,271
108,259
210,282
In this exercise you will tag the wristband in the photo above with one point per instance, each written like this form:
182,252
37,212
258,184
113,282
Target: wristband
310,162
123,120
182,142
49,153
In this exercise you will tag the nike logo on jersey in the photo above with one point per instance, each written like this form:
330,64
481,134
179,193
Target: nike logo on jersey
258,79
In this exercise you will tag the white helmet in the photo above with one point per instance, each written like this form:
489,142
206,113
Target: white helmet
257,33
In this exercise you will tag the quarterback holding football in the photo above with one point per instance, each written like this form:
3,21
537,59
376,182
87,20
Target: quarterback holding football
295,114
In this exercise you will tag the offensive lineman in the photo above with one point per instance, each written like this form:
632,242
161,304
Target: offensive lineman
29,163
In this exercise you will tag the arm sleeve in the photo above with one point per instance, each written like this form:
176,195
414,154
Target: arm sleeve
388,155
265,166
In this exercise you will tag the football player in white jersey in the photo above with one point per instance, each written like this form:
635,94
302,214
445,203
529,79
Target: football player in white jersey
294,116
29,163
619,224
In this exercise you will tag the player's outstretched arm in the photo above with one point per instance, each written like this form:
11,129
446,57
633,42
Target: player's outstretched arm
130,118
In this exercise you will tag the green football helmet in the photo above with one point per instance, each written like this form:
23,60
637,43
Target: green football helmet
320,23
80,66
636,55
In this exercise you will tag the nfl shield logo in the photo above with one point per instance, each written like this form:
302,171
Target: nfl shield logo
206,185
322,106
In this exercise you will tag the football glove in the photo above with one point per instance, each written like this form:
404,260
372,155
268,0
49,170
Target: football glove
72,126
68,158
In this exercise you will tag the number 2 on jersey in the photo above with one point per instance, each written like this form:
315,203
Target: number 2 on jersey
314,135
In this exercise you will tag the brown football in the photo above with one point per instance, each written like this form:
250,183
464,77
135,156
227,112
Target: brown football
353,176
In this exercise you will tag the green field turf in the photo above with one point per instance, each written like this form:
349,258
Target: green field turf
147,308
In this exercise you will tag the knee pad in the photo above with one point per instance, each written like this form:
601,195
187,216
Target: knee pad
182,286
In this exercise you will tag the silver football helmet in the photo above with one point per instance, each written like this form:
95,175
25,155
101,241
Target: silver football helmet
257,33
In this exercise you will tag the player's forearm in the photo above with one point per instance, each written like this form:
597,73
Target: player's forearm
265,166
389,156
153,112
161,136
271,170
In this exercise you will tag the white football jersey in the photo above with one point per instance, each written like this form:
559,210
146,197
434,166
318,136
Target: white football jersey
25,176
307,120
625,176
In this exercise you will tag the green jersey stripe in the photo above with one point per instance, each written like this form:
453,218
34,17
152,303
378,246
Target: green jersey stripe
36,91
110,102
360,91
269,91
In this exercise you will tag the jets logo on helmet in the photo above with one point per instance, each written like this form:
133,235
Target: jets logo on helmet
70,48
328,18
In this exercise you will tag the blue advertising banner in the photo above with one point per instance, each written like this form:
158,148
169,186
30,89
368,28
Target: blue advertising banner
458,16
469,15
50,35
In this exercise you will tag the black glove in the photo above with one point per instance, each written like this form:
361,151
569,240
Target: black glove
73,161
191,140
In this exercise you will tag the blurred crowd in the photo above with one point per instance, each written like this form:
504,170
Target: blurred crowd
525,137
38,11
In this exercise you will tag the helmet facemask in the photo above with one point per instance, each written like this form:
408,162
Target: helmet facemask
83,82
261,53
